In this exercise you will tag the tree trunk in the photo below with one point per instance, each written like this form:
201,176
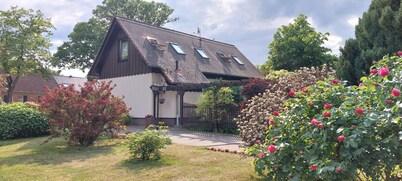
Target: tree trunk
10,88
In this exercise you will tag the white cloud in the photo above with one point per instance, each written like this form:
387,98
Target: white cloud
75,72
266,24
333,43
353,21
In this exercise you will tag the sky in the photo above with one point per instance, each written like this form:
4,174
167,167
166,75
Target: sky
247,24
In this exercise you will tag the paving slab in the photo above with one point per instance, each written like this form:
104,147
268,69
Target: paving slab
196,138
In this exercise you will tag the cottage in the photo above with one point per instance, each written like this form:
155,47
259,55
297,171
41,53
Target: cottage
30,88
158,70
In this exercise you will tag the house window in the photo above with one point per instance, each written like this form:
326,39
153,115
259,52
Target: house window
237,59
201,53
177,48
123,50
25,99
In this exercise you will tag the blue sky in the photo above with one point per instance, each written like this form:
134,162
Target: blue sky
248,24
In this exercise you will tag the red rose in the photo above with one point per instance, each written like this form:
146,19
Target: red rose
335,81
395,92
314,121
399,53
337,169
260,154
271,148
326,114
341,138
313,167
304,89
373,71
327,106
291,93
320,125
359,111
383,71
270,122
275,113
389,101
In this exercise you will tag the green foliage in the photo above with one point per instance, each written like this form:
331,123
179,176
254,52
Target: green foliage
25,41
25,36
145,145
378,33
277,74
87,37
19,120
214,98
367,117
298,45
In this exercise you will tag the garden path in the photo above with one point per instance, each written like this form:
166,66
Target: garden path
204,139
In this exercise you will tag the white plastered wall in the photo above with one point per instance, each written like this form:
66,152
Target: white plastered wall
191,97
137,93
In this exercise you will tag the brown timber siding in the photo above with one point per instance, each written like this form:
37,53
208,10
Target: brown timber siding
112,67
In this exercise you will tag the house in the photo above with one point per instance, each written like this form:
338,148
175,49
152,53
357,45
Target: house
158,70
31,88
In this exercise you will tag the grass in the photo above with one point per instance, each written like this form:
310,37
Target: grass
29,159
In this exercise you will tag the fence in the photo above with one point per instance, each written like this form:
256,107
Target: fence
203,121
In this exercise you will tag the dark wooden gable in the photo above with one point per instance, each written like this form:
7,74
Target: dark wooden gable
111,67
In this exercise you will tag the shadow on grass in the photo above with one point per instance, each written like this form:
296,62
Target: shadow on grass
56,151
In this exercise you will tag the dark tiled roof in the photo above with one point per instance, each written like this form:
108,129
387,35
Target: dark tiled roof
34,84
192,67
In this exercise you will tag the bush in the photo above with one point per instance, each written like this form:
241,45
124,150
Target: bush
82,116
145,145
255,86
253,118
19,120
333,132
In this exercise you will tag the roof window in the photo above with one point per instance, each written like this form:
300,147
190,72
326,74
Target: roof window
202,53
177,48
237,59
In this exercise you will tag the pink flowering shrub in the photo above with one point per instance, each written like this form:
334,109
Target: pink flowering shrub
82,116
359,137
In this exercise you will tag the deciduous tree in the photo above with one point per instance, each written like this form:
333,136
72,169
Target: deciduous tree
25,39
298,45
86,38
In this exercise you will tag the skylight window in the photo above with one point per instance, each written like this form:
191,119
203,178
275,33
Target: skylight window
237,59
202,53
177,48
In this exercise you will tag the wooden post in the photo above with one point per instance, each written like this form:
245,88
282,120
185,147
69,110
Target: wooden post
181,94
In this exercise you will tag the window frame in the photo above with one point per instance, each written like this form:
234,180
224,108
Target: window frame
201,54
176,44
120,50
237,59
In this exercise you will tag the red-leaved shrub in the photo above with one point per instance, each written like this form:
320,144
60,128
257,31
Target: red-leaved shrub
254,86
82,116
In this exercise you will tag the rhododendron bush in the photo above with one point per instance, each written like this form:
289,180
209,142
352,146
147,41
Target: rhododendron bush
333,132
82,116
253,119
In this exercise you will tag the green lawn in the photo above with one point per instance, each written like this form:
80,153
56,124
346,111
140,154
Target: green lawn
28,159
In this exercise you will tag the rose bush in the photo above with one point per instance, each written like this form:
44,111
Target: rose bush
359,134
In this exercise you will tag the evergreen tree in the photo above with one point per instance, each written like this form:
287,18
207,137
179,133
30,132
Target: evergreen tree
378,33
